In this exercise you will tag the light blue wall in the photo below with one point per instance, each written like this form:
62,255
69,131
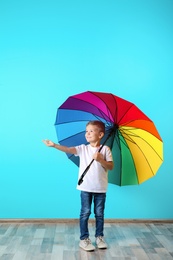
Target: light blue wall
52,49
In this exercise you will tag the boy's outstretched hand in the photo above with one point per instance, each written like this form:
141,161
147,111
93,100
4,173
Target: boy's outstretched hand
49,143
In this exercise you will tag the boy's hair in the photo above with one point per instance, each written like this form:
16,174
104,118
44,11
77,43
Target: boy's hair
99,124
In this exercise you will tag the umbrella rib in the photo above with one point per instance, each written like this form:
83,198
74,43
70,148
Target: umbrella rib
118,143
125,143
80,120
103,116
119,140
125,113
141,149
143,140
116,110
87,102
108,110
74,134
115,138
71,136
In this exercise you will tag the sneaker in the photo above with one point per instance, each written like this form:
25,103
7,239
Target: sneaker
86,245
101,243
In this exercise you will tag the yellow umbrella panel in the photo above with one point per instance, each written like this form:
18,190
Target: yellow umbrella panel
146,153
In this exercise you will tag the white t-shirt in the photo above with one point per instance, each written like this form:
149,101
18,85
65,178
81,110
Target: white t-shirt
96,178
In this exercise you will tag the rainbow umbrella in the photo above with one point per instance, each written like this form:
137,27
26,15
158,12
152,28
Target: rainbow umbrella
136,145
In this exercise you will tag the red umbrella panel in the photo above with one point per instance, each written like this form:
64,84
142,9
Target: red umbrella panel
136,145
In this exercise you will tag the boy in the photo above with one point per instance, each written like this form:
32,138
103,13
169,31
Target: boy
95,182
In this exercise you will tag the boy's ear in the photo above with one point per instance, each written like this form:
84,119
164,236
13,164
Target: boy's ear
101,135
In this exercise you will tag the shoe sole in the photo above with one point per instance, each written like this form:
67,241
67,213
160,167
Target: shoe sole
88,250
101,247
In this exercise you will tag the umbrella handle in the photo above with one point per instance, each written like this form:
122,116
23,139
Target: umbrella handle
83,174
87,168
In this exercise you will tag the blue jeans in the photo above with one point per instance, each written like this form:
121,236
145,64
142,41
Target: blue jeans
99,206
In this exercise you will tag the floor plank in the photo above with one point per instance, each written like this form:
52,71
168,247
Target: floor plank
52,241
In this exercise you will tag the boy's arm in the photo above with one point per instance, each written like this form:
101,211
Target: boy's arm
62,148
108,165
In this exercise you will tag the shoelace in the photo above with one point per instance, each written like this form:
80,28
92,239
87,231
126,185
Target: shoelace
101,239
87,241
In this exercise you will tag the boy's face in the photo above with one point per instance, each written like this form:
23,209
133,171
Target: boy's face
93,134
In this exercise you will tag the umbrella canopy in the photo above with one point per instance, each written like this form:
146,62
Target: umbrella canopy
136,145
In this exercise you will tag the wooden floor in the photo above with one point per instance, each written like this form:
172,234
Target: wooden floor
59,241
